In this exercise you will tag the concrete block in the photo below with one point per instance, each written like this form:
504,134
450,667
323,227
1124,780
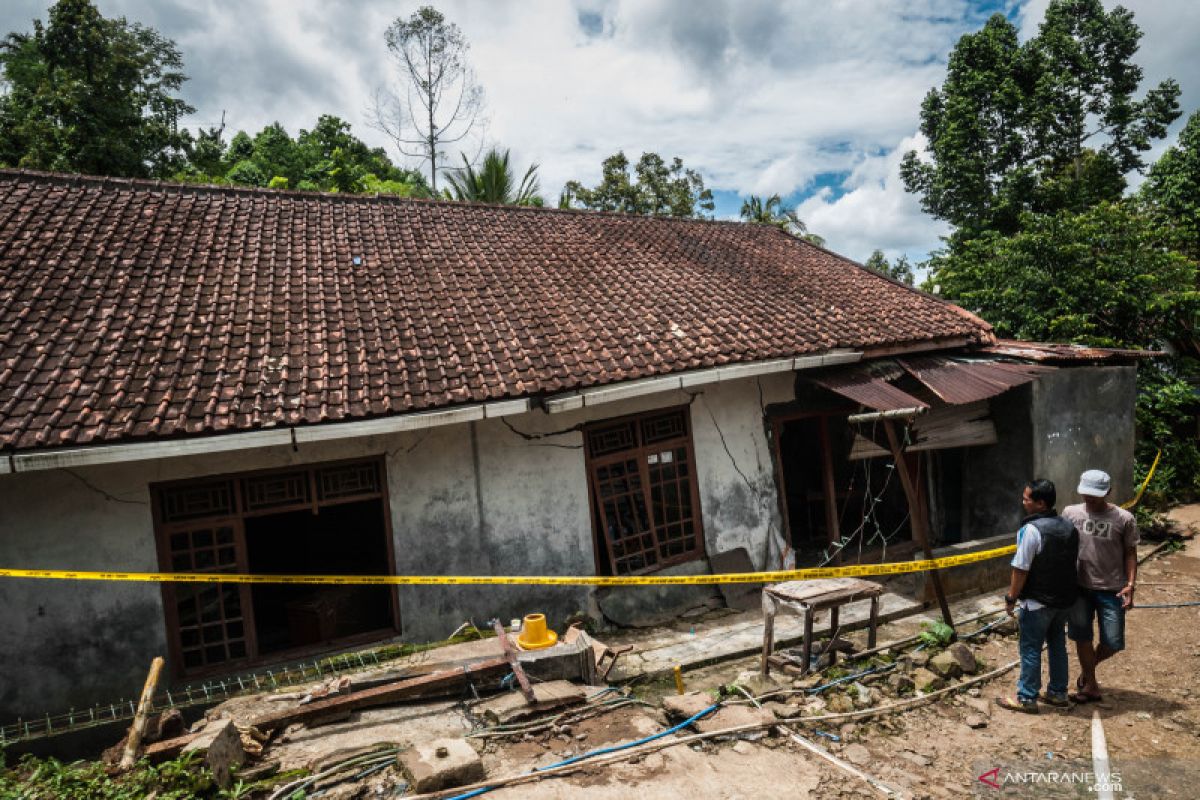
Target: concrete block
513,706
441,764
222,747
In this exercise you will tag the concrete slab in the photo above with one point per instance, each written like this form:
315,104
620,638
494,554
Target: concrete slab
512,706
441,764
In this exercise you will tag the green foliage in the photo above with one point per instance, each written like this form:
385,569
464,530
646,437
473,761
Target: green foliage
1172,190
936,634
901,271
1099,277
1047,126
659,189
328,158
773,211
50,779
494,182
93,95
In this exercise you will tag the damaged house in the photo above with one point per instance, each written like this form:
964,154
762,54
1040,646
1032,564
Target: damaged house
226,379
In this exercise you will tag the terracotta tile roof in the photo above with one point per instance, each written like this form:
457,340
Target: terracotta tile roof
132,310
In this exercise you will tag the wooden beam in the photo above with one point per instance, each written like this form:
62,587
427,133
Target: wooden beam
916,510
510,655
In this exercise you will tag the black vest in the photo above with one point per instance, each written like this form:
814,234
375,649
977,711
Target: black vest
1053,577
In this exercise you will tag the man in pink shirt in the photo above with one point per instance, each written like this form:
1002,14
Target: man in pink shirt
1108,538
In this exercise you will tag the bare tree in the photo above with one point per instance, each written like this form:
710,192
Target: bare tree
438,101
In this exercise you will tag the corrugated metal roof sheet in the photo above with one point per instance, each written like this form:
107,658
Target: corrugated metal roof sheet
959,382
859,385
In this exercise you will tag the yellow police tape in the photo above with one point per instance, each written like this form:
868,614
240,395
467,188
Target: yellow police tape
1141,489
858,571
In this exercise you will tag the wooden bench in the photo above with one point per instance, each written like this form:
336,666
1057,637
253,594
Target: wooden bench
809,597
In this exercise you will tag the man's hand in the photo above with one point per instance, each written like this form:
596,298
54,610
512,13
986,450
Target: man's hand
1126,596
1010,607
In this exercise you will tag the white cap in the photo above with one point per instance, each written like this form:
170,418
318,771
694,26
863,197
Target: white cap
1094,483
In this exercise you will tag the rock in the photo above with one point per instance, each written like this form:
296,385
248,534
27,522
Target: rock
905,663
815,705
783,710
839,703
927,681
916,758
945,664
964,657
683,706
742,747
756,683
441,764
978,705
221,744
734,716
976,721
900,683
862,696
1006,628
857,754
810,681
919,658
166,725
847,730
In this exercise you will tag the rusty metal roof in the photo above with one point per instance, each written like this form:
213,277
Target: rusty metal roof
860,385
1047,351
959,382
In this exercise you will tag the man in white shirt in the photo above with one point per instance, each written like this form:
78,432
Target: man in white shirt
1041,593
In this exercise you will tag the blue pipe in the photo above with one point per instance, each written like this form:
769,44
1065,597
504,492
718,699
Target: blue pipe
602,751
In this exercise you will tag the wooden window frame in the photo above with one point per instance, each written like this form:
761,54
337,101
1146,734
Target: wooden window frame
164,529
640,451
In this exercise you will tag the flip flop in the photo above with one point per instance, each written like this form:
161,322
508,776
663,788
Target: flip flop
1083,697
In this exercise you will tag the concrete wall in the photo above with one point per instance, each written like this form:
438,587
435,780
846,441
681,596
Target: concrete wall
464,499
993,476
1083,418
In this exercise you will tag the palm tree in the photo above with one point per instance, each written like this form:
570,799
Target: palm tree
494,182
772,211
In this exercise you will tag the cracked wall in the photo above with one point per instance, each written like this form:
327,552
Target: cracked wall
472,499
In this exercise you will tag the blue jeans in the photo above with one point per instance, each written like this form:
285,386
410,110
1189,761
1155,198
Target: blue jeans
1046,626
1105,608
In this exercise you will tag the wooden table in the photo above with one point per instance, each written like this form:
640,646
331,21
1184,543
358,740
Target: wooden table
809,597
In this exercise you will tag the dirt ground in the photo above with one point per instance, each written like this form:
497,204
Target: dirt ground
1150,716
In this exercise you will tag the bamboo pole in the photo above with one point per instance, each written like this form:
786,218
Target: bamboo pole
133,742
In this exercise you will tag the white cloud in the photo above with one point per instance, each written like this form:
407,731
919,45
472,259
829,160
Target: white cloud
759,96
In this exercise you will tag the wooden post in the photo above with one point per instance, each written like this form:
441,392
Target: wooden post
134,741
511,656
917,514
832,528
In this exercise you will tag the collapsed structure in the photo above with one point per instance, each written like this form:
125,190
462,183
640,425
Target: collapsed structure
222,379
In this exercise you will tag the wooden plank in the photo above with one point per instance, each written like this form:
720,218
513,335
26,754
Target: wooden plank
432,685
832,529
510,655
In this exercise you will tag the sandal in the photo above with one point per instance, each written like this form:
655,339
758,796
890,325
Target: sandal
1019,705
1084,697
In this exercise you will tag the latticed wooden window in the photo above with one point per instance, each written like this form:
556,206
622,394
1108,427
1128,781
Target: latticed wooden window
202,528
644,491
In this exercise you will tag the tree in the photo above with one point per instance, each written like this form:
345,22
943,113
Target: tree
772,211
93,95
1172,190
441,101
659,190
327,158
1046,126
495,182
901,271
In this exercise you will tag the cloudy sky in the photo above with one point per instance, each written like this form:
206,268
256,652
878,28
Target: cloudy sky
816,100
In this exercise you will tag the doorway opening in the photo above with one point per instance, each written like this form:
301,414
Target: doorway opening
838,509
347,539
